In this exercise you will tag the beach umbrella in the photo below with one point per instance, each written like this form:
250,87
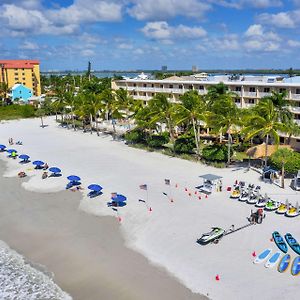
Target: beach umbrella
11,150
2,147
38,163
55,170
119,198
95,187
73,178
24,156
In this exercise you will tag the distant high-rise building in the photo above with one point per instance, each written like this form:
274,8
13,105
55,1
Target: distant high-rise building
194,69
25,72
164,68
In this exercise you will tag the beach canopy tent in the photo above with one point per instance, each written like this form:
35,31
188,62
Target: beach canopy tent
73,178
208,181
55,170
95,187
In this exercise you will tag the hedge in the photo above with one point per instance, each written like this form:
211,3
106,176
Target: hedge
184,144
290,158
215,152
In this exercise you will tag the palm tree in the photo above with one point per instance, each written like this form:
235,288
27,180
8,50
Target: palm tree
224,117
281,104
161,110
3,90
264,122
191,110
216,91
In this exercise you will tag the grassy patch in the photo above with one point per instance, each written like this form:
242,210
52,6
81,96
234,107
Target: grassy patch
12,112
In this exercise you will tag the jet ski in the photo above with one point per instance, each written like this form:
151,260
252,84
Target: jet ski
244,195
235,193
253,198
282,209
262,201
292,212
272,205
211,236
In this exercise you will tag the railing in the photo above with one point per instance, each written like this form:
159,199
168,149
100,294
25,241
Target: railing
263,94
250,94
295,109
295,96
247,105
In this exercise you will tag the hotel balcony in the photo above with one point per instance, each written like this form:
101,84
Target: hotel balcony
263,94
295,97
250,94
248,105
295,109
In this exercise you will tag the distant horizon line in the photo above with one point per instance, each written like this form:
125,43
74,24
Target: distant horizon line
174,70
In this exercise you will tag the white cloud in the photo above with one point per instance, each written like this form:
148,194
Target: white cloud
281,20
163,31
87,52
293,43
29,46
239,4
125,46
258,39
164,9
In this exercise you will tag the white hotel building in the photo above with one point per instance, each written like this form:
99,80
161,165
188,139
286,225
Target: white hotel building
249,89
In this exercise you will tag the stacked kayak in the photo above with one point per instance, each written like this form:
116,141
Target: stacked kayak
280,242
292,243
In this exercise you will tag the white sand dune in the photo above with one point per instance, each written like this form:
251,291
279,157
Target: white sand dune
166,235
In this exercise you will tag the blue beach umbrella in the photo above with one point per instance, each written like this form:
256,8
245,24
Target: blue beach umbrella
73,178
95,187
24,156
38,163
55,170
119,198
11,150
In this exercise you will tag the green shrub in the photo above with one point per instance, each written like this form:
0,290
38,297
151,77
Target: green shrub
15,111
290,158
157,141
135,137
184,144
27,111
216,152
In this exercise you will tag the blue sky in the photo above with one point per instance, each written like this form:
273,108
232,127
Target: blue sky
146,34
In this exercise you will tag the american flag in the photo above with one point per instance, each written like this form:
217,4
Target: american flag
143,187
167,181
113,195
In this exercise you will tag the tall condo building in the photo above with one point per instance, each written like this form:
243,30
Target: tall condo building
25,72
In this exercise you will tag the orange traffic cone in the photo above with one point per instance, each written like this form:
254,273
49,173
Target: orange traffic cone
199,197
254,254
172,200
217,277
206,196
271,240
190,194
150,209
176,185
119,219
185,189
196,193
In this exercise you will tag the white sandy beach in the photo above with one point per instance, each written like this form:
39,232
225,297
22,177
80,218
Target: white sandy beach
166,235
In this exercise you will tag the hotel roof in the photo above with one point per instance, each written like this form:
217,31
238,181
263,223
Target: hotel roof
19,64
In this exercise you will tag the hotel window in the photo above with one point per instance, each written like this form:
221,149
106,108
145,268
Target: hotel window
134,93
23,78
298,91
23,74
16,73
266,90
251,101
238,88
16,78
171,86
180,86
152,85
144,94
134,84
161,86
191,87
282,90
144,85
237,100
16,69
201,87
252,89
